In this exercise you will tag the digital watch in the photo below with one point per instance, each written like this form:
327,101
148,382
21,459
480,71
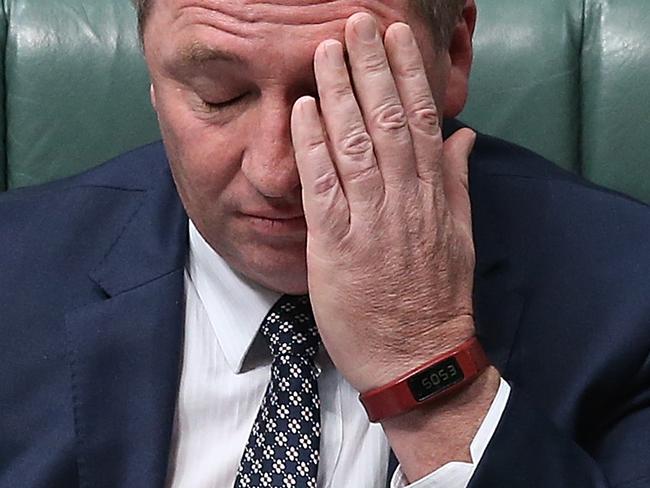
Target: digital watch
443,375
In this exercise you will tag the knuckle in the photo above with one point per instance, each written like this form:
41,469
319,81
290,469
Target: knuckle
315,146
374,63
390,117
424,115
411,71
341,91
361,174
325,183
356,144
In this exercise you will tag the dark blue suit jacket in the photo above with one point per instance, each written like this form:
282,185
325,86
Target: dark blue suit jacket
91,325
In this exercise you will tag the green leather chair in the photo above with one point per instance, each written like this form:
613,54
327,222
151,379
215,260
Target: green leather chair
566,78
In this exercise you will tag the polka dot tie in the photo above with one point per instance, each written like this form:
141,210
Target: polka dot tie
283,447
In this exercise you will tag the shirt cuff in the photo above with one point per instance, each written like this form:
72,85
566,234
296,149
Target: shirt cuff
458,474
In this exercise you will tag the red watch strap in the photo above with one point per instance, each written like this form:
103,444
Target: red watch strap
443,375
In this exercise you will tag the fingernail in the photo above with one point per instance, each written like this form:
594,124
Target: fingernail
334,52
404,34
301,106
365,28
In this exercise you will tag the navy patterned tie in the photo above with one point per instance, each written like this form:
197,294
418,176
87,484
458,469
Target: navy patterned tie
283,447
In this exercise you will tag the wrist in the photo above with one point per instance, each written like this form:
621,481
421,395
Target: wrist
441,376
414,350
427,438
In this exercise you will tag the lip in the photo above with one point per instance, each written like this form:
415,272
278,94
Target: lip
276,224
273,216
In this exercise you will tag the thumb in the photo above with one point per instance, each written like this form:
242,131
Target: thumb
456,153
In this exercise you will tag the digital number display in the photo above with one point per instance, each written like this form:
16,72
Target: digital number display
435,379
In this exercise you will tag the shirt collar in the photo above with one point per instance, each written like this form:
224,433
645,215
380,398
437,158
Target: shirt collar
235,305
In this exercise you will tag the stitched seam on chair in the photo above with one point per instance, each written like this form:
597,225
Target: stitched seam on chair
4,183
581,99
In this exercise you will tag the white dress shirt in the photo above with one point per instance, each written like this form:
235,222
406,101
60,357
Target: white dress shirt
226,368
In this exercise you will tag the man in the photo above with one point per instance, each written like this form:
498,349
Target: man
302,174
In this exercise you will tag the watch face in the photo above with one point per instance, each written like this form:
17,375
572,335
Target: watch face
435,379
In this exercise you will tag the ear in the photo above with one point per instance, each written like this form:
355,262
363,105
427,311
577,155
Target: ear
152,96
461,54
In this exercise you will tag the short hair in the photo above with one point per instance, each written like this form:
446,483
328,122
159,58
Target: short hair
442,16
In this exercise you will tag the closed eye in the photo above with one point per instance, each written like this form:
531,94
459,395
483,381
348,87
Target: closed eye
223,105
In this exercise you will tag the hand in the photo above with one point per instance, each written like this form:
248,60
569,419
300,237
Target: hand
389,250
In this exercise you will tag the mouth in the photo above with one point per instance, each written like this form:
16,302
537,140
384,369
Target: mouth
278,225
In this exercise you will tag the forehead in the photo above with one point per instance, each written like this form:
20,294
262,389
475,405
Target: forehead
241,29
294,12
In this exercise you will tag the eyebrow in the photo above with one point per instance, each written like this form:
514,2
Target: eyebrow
197,53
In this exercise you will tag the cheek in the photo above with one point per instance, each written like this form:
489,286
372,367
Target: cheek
204,158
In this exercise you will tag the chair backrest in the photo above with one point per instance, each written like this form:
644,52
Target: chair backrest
569,79
566,78
76,88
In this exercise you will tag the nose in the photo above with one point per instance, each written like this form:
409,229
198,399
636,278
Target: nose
269,163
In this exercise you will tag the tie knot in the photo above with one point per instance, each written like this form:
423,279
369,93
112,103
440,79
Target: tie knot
290,328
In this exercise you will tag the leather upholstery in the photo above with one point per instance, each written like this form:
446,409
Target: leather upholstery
566,78
77,89
616,95
3,160
525,86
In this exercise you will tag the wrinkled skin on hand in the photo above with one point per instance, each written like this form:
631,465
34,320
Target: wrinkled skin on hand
390,254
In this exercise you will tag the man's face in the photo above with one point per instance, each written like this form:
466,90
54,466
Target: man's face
225,75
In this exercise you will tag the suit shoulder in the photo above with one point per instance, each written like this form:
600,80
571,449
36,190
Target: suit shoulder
495,159
496,156
545,214
576,255
66,224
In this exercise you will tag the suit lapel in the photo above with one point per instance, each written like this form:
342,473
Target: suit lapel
125,350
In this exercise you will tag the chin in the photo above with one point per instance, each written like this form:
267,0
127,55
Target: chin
282,269
287,279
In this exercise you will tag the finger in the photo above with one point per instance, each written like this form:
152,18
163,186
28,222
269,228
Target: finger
378,97
457,150
415,93
326,210
353,150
